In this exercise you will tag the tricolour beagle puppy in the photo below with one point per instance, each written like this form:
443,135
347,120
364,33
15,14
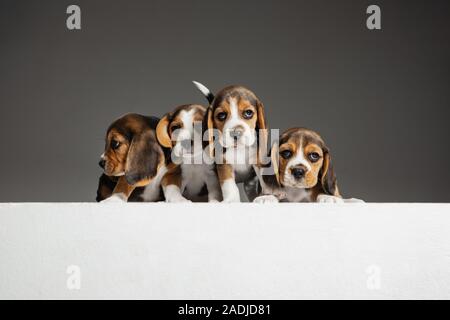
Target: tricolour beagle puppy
237,136
134,158
188,178
302,170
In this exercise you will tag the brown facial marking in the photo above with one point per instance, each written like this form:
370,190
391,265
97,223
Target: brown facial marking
313,174
115,157
289,146
245,106
175,125
224,108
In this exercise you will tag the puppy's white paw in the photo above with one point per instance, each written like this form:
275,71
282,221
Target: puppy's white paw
179,199
325,198
230,191
233,197
266,199
354,200
115,198
231,200
213,201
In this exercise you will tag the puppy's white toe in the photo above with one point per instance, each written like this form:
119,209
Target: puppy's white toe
325,198
232,199
354,200
266,199
178,200
115,198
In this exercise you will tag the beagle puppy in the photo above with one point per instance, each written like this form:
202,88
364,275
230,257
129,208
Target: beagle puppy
188,178
134,158
302,170
237,136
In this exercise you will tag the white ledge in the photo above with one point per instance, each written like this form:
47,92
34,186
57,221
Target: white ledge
218,251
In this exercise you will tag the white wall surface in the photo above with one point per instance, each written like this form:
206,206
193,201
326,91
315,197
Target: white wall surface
218,251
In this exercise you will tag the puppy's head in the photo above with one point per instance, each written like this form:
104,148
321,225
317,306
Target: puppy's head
131,149
302,160
176,130
237,114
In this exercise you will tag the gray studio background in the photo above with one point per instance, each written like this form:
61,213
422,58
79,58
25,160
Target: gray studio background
380,99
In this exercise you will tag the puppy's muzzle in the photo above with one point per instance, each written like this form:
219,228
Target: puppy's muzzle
186,144
236,133
102,163
298,172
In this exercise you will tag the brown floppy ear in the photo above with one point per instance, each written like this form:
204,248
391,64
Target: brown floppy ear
162,132
327,177
274,159
261,132
143,159
208,126
105,188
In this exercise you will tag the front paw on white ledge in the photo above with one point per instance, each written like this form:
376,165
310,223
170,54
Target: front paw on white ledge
354,200
179,199
231,199
115,198
266,199
325,198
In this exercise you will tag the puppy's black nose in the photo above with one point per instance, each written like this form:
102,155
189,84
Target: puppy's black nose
101,163
237,133
186,144
298,173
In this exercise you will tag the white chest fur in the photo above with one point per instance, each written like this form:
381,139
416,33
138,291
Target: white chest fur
242,158
194,177
298,195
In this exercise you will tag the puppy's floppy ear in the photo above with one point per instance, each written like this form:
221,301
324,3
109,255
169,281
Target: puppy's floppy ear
261,131
105,187
208,126
261,121
162,132
274,159
143,158
326,175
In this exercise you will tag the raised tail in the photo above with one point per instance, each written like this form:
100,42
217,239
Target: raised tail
206,92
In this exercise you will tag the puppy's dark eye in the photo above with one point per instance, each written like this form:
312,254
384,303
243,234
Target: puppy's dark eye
248,114
314,156
115,144
176,127
286,154
221,116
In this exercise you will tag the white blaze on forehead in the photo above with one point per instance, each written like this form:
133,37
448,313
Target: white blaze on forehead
187,118
299,158
234,109
234,119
